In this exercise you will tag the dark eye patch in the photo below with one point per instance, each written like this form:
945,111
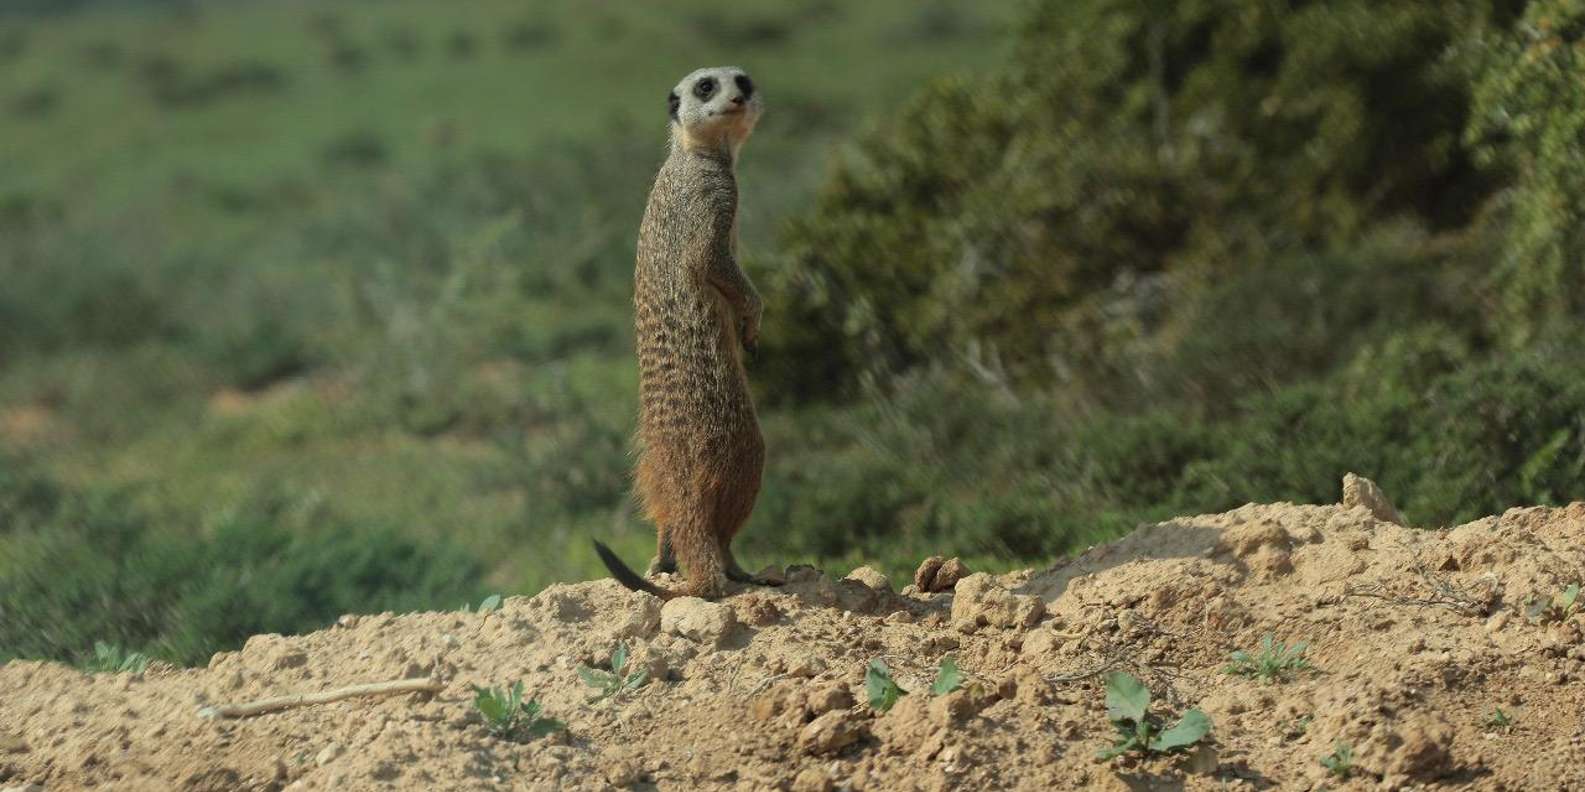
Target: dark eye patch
745,85
704,88
673,102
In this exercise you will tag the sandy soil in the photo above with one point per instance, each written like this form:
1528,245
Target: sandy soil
1418,636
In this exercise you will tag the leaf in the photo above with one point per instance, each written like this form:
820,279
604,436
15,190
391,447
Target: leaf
879,686
490,704
636,679
515,699
1126,745
596,678
1537,609
948,677
1126,697
1566,600
543,726
1188,731
619,658
490,603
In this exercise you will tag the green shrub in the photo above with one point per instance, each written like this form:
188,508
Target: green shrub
1530,118
1042,225
78,568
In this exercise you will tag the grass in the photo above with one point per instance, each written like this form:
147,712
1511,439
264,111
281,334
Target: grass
1340,762
109,658
322,249
617,680
1272,662
508,716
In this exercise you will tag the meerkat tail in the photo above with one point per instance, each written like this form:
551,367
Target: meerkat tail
626,576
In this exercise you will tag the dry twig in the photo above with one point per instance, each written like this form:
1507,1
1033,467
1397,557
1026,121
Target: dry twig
278,703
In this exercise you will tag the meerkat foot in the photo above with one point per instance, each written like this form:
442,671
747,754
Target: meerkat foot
737,574
658,565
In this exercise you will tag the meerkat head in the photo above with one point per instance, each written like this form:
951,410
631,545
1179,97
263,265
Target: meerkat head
714,109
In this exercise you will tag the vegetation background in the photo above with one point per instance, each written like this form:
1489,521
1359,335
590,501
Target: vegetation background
315,307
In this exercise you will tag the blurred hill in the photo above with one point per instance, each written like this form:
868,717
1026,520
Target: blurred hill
353,280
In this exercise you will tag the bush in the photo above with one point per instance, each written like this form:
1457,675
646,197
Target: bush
1530,118
1043,224
81,567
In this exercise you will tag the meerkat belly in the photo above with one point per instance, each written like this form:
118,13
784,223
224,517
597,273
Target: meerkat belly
691,385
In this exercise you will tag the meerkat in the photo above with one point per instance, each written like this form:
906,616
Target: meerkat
700,452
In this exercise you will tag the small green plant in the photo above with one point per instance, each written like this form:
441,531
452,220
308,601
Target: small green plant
1340,762
486,605
114,659
1273,662
507,715
1561,605
617,680
1499,721
1295,729
883,691
1128,708
948,677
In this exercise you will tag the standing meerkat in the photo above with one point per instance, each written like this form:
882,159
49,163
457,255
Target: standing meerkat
700,453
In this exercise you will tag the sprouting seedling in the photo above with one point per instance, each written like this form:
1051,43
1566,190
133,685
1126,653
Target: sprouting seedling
1272,662
948,677
1499,721
883,691
114,659
1128,708
1561,605
1340,762
507,715
615,681
486,605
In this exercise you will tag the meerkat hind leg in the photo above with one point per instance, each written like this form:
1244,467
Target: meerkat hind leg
665,559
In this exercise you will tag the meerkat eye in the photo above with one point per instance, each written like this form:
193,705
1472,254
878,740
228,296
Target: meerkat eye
704,88
745,85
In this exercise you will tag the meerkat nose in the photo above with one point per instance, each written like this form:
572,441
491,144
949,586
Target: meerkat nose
739,99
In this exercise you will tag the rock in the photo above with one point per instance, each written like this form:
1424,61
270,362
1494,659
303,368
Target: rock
978,601
290,658
856,597
1245,539
1039,643
1421,751
1361,491
773,576
329,753
939,574
641,620
708,623
951,572
872,577
828,697
623,772
13,744
829,733
24,788
759,611
811,779
805,666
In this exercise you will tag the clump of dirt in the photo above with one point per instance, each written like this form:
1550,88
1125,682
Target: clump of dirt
1418,638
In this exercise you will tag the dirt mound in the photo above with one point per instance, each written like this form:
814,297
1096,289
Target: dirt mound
1417,636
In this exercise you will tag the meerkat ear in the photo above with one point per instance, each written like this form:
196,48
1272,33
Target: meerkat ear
673,103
